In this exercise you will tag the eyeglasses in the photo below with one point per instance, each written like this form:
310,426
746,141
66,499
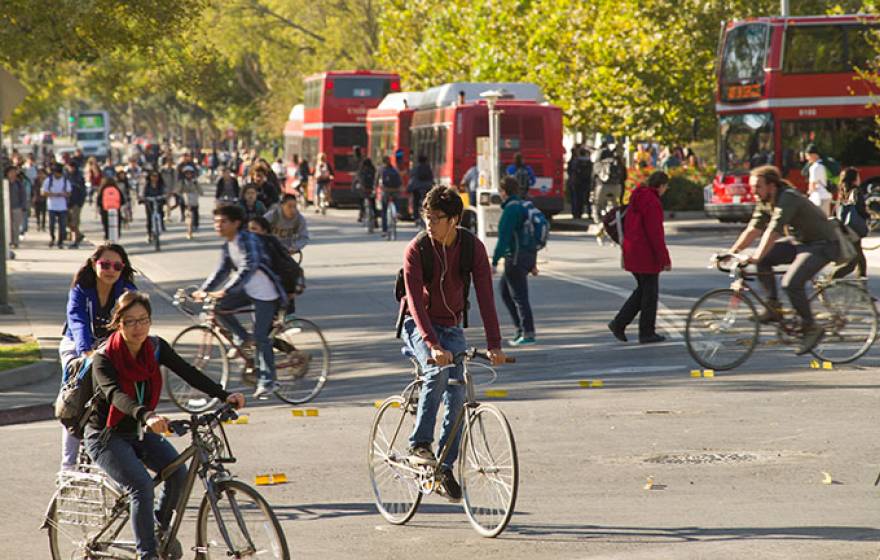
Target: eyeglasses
139,322
115,265
434,218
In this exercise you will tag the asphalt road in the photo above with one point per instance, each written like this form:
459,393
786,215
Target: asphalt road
737,460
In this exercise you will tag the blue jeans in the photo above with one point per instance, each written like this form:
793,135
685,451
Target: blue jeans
123,459
61,218
386,202
264,313
514,287
436,387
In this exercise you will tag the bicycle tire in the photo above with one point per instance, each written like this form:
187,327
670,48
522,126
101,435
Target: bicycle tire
391,218
200,346
79,509
704,320
482,465
302,360
396,490
272,542
843,305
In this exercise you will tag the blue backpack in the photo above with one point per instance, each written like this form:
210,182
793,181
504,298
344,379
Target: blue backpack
535,227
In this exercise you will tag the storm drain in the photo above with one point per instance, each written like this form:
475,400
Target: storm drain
701,458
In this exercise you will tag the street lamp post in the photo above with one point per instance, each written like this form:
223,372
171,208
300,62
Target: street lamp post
484,202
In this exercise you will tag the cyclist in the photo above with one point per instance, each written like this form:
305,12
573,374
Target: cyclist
812,245
128,384
153,187
288,224
245,272
249,203
432,328
390,181
323,179
365,186
227,188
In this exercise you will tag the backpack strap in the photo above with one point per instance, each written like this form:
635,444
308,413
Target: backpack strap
466,269
426,253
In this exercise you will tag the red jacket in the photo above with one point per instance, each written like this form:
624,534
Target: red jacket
644,245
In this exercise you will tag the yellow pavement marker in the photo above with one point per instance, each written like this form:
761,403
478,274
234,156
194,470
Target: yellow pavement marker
311,412
243,419
304,412
826,478
650,483
827,365
708,373
814,364
591,383
270,479
696,373
495,393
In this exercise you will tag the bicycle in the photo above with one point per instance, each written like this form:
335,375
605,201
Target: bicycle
302,356
488,467
723,329
155,203
89,511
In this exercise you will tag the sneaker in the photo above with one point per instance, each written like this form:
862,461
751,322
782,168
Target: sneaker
812,336
772,312
421,454
654,338
449,486
617,331
523,341
264,390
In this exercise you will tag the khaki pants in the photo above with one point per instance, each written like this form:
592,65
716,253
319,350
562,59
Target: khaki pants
17,216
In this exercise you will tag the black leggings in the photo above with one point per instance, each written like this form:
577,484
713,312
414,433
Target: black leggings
642,302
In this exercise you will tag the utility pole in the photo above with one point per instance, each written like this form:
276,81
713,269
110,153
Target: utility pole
11,94
784,8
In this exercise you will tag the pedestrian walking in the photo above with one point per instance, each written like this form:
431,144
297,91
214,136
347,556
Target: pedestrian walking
580,177
469,183
520,255
817,186
38,200
56,188
75,203
17,203
644,255
323,180
853,213
110,197
420,182
191,191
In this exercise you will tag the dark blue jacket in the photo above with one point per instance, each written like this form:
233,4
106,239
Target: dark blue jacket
77,189
82,304
236,274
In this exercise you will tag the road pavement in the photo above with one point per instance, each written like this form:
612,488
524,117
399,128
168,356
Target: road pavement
737,460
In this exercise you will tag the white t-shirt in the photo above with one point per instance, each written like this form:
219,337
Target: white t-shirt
818,174
55,185
259,286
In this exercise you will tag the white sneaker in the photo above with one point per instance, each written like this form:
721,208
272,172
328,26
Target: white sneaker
264,390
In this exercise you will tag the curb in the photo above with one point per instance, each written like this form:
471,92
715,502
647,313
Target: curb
28,375
26,414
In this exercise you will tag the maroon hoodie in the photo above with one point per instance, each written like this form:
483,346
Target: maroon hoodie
444,305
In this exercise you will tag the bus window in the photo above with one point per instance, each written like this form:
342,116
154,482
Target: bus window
349,136
814,49
744,54
849,141
312,94
746,141
361,88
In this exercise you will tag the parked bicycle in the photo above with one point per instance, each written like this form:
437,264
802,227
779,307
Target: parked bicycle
488,466
155,204
723,327
302,356
88,515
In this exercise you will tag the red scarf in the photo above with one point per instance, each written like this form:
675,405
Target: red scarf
131,370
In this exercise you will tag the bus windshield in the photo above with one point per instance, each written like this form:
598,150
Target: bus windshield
360,88
746,141
744,54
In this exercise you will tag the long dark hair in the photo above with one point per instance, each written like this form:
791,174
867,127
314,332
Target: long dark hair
85,277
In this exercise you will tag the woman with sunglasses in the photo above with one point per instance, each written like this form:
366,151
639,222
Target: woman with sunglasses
96,287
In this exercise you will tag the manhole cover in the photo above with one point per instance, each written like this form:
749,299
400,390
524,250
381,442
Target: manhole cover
701,458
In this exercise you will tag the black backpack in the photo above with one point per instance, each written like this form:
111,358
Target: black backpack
612,223
426,253
288,270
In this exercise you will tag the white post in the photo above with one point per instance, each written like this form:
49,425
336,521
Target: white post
113,225
484,213
784,8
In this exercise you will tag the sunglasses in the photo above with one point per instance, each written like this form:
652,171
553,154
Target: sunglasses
115,265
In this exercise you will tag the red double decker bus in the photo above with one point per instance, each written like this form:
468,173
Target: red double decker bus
334,122
784,83
444,122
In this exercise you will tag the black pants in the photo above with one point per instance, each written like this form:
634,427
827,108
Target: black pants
859,261
105,221
514,287
806,261
579,199
642,302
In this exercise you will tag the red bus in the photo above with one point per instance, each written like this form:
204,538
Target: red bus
445,128
786,82
334,122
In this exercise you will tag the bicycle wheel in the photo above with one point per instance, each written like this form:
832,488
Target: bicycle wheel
157,226
244,516
392,221
201,347
489,470
722,329
395,486
848,314
302,360
81,508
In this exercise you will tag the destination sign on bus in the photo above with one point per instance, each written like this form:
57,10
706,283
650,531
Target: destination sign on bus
90,121
748,91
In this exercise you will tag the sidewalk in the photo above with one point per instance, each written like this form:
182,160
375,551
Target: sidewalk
39,279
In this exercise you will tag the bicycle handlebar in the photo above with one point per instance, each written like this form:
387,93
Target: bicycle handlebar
222,414
472,353
718,259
